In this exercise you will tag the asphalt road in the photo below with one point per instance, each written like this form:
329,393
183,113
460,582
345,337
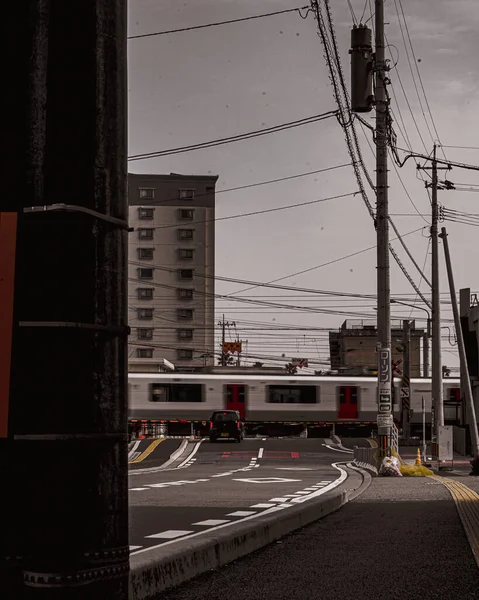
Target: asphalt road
159,455
226,482
400,540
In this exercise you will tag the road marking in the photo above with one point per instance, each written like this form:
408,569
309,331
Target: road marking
241,513
164,467
262,505
260,453
294,454
195,450
135,548
212,522
188,537
339,450
168,535
279,499
147,452
302,493
133,450
137,489
331,485
267,480
294,469
467,504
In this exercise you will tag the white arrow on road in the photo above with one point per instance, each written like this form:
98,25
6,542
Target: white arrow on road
267,480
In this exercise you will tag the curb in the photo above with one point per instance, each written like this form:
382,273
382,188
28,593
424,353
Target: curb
367,479
166,568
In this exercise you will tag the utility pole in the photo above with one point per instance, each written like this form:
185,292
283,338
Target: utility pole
406,378
462,350
63,455
223,339
437,384
385,416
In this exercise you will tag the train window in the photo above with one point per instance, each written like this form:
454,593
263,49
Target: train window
348,394
300,394
176,392
454,395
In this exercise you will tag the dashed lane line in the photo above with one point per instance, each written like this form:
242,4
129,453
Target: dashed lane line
467,504
147,452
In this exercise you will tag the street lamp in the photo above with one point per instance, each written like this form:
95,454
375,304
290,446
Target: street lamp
427,335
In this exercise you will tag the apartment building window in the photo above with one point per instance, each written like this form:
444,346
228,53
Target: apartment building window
186,254
185,314
145,273
185,294
185,354
145,293
186,214
146,213
146,253
185,234
145,233
148,193
144,353
145,333
145,314
185,334
186,273
187,194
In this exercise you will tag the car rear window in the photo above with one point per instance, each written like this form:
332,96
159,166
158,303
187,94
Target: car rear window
224,416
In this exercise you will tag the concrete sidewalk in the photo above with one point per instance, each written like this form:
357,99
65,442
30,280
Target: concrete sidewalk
402,539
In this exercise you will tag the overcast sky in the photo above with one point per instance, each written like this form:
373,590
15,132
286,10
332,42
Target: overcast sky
197,86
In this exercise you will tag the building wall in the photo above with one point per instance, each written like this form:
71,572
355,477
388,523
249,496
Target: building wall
355,349
172,237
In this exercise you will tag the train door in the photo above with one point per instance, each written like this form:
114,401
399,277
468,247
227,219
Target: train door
348,402
235,398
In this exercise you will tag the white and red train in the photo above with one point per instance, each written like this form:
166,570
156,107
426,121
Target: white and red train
171,397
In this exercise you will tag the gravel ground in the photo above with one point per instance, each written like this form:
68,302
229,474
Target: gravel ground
401,539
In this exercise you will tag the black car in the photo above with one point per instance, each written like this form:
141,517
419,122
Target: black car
226,424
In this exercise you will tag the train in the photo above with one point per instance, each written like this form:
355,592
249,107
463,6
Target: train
264,401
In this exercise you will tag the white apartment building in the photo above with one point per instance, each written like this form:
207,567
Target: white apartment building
171,259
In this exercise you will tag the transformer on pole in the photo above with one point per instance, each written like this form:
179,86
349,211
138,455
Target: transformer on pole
361,51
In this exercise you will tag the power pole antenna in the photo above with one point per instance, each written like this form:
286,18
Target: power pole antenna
385,414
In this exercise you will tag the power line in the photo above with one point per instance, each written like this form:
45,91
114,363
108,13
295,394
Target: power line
461,147
271,14
251,185
260,212
235,138
420,78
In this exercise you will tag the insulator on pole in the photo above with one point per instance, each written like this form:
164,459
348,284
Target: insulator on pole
361,69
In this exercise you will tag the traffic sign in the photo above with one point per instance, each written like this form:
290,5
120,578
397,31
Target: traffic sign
385,407
405,392
232,347
299,362
385,420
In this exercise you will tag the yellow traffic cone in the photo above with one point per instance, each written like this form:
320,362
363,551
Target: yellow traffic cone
418,457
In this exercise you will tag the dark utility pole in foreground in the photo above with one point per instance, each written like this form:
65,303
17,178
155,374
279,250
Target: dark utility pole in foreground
63,457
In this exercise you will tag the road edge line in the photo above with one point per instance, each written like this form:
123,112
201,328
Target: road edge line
161,570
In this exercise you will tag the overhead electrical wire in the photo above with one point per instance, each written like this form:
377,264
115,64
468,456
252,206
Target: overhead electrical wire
261,212
155,202
236,138
231,21
416,62
331,54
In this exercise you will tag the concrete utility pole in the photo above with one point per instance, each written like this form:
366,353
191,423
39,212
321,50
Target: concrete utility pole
406,379
385,416
462,350
437,383
64,458
437,388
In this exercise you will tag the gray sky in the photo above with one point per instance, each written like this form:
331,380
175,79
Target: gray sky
196,86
